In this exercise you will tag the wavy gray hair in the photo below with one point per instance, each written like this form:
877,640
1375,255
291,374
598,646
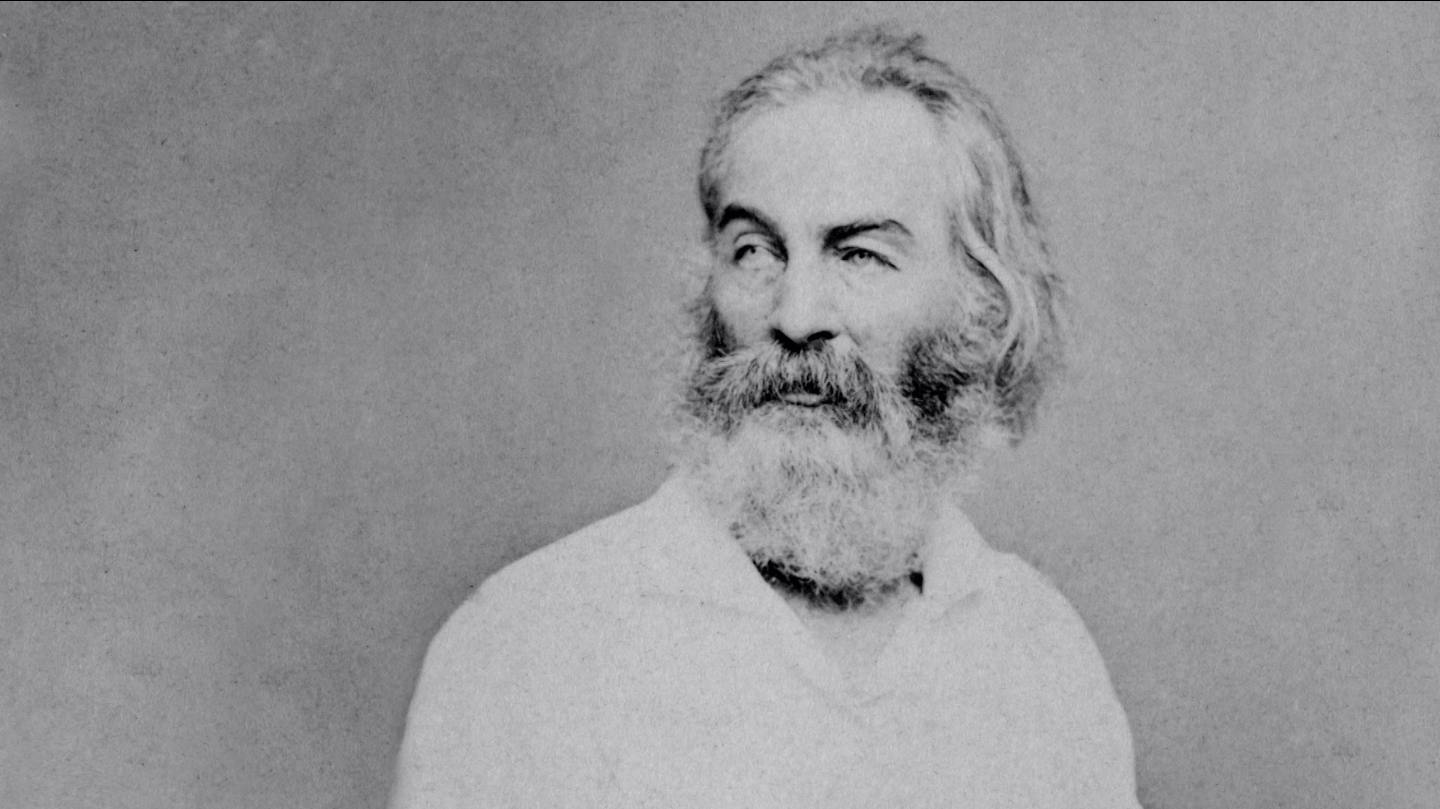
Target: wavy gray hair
994,229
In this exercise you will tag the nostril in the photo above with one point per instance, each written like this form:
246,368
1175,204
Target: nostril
803,341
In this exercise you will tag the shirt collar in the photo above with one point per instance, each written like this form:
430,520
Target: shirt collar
956,558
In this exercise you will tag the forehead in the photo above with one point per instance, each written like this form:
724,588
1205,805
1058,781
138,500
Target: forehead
834,156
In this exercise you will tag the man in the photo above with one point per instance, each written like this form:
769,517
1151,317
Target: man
801,616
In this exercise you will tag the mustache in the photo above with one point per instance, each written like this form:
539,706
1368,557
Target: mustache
734,381
944,389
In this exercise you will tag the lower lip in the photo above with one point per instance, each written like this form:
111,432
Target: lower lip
803,399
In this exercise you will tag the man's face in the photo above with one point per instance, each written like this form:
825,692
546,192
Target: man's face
833,230
829,414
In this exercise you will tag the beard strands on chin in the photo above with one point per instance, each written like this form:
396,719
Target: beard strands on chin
844,490
818,492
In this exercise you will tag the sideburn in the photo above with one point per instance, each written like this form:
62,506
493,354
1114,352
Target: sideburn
940,367
715,337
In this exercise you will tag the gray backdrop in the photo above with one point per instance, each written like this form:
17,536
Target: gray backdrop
313,317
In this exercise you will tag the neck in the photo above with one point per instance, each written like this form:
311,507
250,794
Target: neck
853,634
799,589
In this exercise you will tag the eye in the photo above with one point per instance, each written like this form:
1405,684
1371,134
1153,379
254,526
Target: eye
861,258
754,257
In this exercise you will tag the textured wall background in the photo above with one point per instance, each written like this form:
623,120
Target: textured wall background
312,317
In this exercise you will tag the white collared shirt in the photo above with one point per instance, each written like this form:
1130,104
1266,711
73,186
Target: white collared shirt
644,662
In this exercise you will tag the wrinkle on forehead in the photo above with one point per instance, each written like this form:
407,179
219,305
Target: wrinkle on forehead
834,158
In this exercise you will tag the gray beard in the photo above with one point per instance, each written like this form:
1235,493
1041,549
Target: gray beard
827,508
839,497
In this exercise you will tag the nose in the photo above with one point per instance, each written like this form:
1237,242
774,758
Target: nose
805,315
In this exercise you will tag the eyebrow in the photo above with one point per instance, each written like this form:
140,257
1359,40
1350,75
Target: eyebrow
833,237
739,213
840,233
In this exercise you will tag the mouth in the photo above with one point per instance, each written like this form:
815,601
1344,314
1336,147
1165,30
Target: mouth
803,399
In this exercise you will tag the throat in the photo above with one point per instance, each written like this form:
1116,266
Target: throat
853,637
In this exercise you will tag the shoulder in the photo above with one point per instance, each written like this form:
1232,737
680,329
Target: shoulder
1003,592
592,573
1066,680
1050,633
486,690
1035,605
575,592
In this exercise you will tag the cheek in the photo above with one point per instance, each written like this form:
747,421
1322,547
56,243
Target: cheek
884,324
743,306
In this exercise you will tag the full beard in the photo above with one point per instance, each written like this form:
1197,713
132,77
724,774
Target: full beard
831,500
